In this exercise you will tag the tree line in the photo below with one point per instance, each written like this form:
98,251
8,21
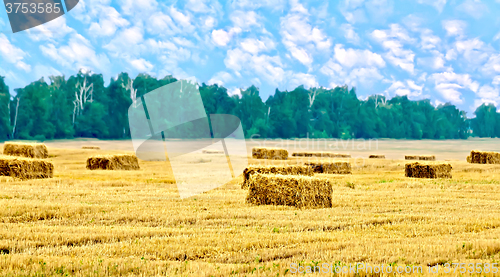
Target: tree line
82,106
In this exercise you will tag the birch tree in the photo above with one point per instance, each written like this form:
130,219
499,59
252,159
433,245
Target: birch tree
83,94
133,92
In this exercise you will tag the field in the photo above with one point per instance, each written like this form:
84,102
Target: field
102,223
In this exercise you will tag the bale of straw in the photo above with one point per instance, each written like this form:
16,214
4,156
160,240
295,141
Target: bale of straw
89,147
418,170
269,153
211,151
320,154
28,150
113,162
289,190
25,168
483,157
271,169
421,158
330,167
376,157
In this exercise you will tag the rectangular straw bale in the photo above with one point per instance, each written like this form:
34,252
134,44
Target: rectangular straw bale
376,157
90,147
113,162
212,151
25,168
269,153
418,170
330,167
421,158
483,157
320,154
289,190
28,150
271,169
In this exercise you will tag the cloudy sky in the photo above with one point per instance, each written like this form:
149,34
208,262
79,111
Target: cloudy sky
445,50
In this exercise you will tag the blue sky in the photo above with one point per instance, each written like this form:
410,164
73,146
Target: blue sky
444,50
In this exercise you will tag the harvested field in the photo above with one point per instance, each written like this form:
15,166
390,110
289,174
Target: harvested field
28,150
113,162
482,157
417,170
287,190
376,157
330,167
269,153
421,158
320,154
89,147
271,169
25,168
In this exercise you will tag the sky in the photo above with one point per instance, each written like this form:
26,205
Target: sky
442,50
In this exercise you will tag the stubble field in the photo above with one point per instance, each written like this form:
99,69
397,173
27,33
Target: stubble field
104,223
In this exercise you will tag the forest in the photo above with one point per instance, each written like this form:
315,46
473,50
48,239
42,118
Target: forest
82,106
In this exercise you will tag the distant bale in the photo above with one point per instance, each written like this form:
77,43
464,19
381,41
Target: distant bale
25,168
269,153
89,147
320,154
376,157
28,150
330,167
271,169
211,151
417,170
483,157
289,190
113,162
421,158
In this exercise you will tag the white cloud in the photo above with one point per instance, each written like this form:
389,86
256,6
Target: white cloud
408,88
496,80
357,58
350,34
297,79
449,85
126,43
488,92
13,54
77,54
474,8
492,66
473,50
142,65
300,38
133,7
438,4
254,46
454,27
359,75
267,67
255,4
220,78
393,40
428,40
222,38
245,20
109,21
53,30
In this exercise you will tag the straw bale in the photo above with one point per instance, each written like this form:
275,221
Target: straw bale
289,190
90,147
418,170
330,167
421,158
269,153
28,150
320,154
113,162
483,157
211,151
271,169
376,157
25,168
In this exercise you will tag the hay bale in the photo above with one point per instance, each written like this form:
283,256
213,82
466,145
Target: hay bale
330,167
289,190
320,154
376,157
28,150
271,169
418,170
269,153
25,168
421,158
483,157
89,147
211,151
113,162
